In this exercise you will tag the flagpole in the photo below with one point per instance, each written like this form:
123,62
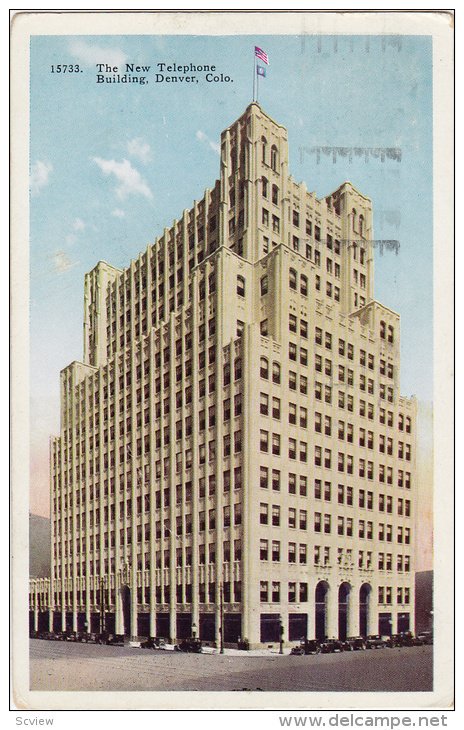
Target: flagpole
257,88
254,73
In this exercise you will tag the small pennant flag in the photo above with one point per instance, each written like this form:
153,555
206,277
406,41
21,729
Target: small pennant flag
262,55
260,70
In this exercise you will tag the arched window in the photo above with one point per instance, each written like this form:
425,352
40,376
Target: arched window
263,149
292,279
240,286
304,284
265,185
353,222
361,225
275,195
383,329
390,334
264,368
274,157
275,372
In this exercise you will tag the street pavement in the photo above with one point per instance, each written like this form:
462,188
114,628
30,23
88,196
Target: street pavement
66,666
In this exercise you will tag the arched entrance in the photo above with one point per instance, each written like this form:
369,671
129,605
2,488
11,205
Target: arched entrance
321,595
343,601
364,607
126,609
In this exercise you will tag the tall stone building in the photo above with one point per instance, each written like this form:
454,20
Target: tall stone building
235,455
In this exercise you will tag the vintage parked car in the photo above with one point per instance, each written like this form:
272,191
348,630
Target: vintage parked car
113,639
355,643
404,638
330,646
425,637
394,640
190,646
306,646
153,643
375,641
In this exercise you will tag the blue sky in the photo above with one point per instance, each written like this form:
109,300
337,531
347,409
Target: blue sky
113,164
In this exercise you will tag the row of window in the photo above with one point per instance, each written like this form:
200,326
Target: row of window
298,519
270,550
298,592
271,442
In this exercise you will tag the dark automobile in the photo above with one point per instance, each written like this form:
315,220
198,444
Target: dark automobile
409,639
306,646
153,643
404,638
395,640
425,637
355,643
330,646
375,641
113,639
191,646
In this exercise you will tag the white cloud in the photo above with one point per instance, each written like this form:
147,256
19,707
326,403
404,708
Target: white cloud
62,262
78,224
89,54
40,173
118,213
71,239
140,149
204,138
129,179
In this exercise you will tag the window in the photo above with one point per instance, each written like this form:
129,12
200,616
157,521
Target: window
264,477
292,552
264,285
276,408
292,517
264,186
275,551
275,372
292,413
264,404
264,440
276,444
275,195
263,550
275,515
276,480
263,149
274,158
263,513
292,323
264,368
304,285
293,279
264,591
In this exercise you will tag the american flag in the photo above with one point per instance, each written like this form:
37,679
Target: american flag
262,55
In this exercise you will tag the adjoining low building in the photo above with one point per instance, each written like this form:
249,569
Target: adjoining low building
235,459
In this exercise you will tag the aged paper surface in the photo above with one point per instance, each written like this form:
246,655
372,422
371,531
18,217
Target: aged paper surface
116,130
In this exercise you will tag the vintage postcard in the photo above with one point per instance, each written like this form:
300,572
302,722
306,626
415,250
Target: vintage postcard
232,284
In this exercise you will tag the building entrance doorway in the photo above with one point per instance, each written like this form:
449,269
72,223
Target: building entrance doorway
322,590
343,602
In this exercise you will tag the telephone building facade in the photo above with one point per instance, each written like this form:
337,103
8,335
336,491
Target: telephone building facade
234,455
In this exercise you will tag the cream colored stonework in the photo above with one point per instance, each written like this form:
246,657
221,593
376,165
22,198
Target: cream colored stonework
238,368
